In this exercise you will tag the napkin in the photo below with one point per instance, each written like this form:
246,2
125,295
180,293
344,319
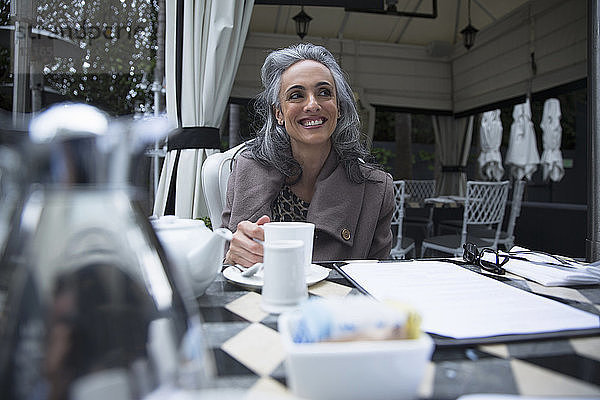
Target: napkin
439,200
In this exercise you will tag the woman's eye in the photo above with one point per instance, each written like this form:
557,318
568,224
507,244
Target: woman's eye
295,96
325,92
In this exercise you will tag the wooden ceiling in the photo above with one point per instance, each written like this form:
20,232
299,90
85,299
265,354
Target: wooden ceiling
414,22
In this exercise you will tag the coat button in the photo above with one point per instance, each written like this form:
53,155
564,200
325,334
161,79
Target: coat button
346,234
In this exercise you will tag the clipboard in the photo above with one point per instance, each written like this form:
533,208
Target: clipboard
447,341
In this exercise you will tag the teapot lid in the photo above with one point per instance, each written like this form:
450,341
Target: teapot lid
170,222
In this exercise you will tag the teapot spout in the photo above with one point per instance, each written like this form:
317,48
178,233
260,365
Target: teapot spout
217,242
224,233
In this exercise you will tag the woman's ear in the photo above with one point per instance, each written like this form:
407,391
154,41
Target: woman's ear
278,115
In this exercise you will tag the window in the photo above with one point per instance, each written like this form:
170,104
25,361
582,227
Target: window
404,156
95,52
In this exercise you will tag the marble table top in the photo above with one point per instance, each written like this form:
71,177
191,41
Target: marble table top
248,353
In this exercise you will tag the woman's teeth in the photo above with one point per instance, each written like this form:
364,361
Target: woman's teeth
313,123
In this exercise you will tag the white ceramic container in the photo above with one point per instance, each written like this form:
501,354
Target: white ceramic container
388,369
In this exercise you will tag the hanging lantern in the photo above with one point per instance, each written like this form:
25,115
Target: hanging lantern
302,21
469,36
469,32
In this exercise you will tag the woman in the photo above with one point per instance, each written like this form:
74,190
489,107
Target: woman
306,164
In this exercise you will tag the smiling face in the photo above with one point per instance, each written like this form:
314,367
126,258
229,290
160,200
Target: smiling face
308,101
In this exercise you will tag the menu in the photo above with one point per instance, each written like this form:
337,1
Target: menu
458,303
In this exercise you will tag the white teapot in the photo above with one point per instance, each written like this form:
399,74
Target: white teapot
196,250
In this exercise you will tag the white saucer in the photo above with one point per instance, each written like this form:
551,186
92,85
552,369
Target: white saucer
234,275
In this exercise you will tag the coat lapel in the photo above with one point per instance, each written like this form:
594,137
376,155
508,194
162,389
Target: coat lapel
257,191
338,202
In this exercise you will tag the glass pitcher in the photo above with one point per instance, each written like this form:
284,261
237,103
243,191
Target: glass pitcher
93,310
11,191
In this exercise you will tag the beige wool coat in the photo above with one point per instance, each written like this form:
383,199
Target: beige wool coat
352,221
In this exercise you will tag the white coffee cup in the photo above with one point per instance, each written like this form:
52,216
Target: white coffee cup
304,231
284,281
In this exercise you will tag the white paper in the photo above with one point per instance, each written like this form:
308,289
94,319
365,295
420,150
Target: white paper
459,303
579,274
497,396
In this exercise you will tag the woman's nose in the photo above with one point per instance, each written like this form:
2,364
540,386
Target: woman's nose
312,104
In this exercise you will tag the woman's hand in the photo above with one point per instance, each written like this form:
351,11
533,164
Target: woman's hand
243,249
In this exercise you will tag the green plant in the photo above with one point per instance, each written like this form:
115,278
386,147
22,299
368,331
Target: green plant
206,222
428,157
383,157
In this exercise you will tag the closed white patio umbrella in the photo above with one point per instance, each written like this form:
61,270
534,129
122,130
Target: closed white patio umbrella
203,44
522,154
552,161
490,137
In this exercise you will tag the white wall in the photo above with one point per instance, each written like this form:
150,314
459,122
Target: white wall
495,69
384,74
498,66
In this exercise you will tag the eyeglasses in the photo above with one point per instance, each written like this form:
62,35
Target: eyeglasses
474,256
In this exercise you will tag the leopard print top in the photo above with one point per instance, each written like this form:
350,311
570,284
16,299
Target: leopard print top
289,207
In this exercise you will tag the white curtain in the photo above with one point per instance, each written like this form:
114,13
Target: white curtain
453,140
203,46
522,154
552,161
490,139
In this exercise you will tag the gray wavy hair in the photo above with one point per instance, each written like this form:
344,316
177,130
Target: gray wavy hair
272,144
